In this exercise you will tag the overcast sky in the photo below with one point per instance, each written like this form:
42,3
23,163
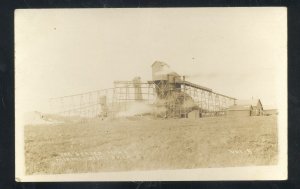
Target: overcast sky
240,52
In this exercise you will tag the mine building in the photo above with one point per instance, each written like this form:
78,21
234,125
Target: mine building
251,107
168,94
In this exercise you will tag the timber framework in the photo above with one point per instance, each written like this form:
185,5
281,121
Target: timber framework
168,94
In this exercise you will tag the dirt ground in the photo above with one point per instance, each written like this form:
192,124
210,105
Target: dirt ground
147,144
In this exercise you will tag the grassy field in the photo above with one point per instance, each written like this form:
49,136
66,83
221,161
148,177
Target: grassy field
146,144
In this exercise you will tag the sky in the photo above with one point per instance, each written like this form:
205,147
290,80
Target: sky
239,52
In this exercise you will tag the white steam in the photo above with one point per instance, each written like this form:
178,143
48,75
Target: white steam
136,108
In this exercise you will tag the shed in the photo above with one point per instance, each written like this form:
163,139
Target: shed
193,114
251,107
239,110
257,107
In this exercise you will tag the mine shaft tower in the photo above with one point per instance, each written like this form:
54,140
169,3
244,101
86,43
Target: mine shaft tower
168,93
180,97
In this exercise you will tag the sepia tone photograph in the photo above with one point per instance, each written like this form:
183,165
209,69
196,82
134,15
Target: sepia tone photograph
151,94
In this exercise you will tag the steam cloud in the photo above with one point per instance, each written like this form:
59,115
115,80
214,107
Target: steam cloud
136,108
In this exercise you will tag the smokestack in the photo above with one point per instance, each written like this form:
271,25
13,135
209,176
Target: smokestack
137,88
103,104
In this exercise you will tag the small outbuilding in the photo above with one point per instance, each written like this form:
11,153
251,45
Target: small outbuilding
251,107
239,110
194,114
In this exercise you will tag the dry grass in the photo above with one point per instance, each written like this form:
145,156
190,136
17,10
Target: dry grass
150,144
